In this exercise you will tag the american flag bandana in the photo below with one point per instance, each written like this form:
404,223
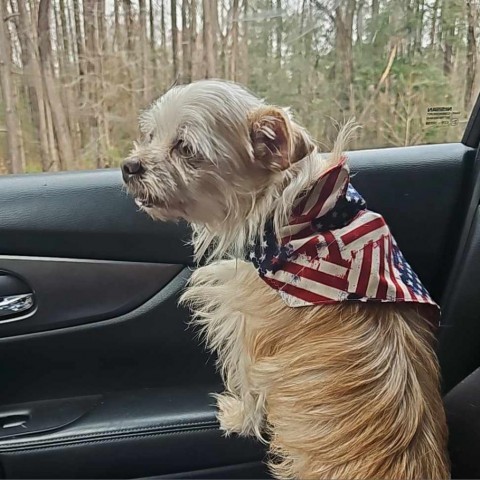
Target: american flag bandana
334,249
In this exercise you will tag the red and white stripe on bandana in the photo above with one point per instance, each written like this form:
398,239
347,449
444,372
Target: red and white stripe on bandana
334,249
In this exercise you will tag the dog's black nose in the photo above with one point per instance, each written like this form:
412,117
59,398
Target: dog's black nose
130,168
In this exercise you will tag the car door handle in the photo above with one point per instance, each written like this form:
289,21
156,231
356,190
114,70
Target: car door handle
15,304
16,297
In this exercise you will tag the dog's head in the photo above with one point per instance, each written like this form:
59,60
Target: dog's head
208,150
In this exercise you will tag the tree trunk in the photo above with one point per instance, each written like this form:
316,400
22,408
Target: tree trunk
81,68
448,35
33,81
448,52
279,33
360,21
343,48
94,44
374,21
164,28
100,48
164,55
472,16
144,52
130,55
127,6
58,54
245,62
151,22
234,33
433,26
14,158
419,12
209,50
193,40
220,38
60,124
116,26
153,47
89,20
55,160
79,42
64,28
173,13
186,47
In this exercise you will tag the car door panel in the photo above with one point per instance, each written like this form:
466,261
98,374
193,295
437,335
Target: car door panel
130,434
133,350
70,292
83,215
107,323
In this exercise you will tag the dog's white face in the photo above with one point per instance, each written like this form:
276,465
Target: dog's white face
206,150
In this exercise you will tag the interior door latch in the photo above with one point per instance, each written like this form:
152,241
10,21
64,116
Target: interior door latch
15,304
16,297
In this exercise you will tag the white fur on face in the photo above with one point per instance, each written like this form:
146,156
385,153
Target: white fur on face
208,121
199,164
196,112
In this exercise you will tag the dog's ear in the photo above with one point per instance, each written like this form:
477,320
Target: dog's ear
276,142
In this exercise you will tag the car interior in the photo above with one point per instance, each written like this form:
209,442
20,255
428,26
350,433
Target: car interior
103,377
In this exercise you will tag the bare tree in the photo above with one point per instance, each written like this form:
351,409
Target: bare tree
448,34
234,33
81,68
62,10
116,25
14,159
472,17
193,40
173,13
128,11
279,31
33,79
343,48
209,35
434,21
186,46
164,26
144,51
59,120
153,46
244,46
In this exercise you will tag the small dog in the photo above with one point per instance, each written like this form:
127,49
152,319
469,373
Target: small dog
340,379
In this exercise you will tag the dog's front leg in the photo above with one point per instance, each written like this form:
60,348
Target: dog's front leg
241,408
226,331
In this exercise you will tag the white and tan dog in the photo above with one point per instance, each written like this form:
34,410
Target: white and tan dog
340,390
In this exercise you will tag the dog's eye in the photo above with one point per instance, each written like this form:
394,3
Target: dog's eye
184,149
150,136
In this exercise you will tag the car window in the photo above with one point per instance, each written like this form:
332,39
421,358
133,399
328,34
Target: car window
75,74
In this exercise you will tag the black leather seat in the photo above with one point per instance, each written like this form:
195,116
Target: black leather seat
462,406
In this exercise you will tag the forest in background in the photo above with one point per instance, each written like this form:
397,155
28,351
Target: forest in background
74,74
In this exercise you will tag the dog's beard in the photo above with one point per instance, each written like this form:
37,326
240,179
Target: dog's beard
206,199
153,202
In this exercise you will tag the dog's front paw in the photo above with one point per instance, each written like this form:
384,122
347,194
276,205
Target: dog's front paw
235,416
231,414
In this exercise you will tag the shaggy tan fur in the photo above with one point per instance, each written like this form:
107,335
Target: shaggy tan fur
346,391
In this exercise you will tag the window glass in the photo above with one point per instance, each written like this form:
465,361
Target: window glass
75,73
